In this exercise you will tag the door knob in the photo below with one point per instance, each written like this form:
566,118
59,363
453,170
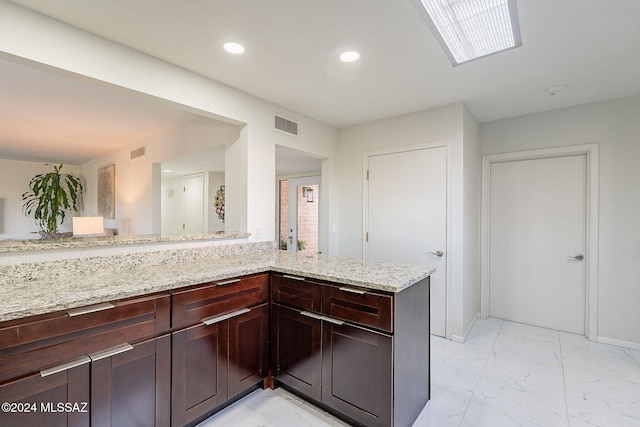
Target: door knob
578,257
437,253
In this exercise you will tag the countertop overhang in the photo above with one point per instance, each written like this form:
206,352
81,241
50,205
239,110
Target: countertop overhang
28,298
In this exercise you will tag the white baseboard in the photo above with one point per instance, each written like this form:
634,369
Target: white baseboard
619,343
461,339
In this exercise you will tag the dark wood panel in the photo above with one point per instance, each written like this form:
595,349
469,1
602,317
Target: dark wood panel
199,371
304,295
46,393
298,351
373,309
133,388
59,327
357,373
132,320
192,305
248,349
411,358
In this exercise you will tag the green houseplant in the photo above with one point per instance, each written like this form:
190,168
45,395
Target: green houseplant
49,197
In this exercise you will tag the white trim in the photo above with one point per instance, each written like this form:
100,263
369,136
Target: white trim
448,144
619,343
591,252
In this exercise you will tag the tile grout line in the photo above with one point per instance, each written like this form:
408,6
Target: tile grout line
564,378
481,373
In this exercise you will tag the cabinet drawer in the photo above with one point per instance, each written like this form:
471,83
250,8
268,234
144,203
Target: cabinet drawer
29,345
191,306
359,305
295,291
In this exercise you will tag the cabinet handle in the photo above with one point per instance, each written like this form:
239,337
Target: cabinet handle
212,320
110,352
228,282
50,371
321,317
90,309
312,315
353,290
332,320
238,313
286,276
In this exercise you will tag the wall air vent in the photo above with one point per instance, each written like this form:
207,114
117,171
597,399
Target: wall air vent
138,152
286,125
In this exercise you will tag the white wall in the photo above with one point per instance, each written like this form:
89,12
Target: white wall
31,37
14,180
172,216
615,126
134,177
471,220
435,125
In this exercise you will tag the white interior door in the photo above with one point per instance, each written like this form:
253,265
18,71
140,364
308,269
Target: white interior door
537,235
406,217
194,204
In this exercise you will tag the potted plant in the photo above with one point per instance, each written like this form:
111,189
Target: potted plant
49,197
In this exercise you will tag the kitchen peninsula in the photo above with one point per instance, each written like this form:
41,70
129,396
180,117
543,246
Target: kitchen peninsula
196,329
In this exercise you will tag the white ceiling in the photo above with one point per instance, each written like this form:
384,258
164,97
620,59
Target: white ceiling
592,46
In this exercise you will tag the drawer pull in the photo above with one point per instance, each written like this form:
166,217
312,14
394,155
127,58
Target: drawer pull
312,315
321,317
90,309
286,276
353,290
50,371
332,320
216,319
110,352
228,282
238,313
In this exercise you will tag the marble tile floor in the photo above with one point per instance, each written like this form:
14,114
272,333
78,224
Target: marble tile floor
506,374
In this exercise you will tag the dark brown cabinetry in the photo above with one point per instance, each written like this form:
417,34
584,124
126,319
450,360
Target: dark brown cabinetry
132,387
353,350
222,351
80,368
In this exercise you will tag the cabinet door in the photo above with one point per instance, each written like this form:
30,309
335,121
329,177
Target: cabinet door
248,343
199,371
43,395
298,356
357,373
133,387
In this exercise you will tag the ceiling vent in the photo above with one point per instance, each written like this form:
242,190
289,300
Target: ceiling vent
286,125
138,152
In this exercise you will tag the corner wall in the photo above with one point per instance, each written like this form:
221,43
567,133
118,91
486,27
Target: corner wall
438,124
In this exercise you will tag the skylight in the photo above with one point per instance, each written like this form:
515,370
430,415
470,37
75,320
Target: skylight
470,29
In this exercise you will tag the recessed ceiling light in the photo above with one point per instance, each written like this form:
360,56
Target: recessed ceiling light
349,56
470,29
555,89
235,48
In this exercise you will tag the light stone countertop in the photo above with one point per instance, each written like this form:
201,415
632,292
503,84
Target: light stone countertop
120,240
28,298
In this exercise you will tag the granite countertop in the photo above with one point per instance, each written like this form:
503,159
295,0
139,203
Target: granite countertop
101,241
28,298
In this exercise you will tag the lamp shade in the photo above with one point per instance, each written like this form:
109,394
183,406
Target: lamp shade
88,225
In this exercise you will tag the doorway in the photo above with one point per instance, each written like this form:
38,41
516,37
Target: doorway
406,211
539,219
299,201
